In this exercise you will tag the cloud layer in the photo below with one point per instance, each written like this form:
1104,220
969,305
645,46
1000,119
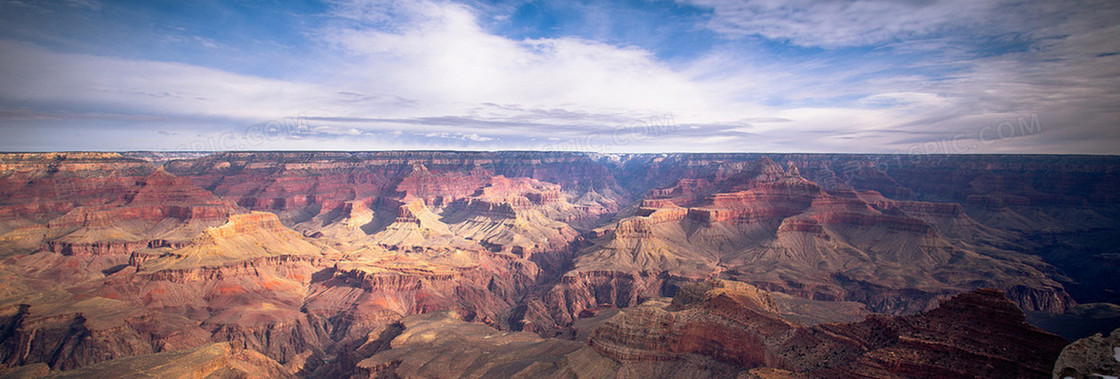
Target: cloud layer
832,76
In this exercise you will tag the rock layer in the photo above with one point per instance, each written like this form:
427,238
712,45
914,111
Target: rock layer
312,259
976,334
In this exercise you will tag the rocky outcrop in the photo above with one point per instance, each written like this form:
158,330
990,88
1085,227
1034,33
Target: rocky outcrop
738,324
240,282
956,339
1093,356
728,321
72,336
104,204
219,360
725,329
521,216
432,346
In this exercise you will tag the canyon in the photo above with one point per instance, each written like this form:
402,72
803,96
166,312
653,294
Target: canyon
553,264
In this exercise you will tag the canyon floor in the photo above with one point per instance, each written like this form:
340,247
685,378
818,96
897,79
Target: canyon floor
556,264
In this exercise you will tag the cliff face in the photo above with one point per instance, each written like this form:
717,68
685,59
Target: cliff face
241,282
86,204
764,224
312,259
738,324
956,339
293,184
725,320
726,329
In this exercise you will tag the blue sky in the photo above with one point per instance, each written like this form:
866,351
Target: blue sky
916,76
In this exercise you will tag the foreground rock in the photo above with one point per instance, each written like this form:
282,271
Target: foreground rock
977,334
719,329
1093,356
218,360
441,345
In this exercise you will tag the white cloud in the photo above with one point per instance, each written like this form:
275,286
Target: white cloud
476,137
460,136
428,68
33,74
444,57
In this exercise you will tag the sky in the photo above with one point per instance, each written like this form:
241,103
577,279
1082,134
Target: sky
832,76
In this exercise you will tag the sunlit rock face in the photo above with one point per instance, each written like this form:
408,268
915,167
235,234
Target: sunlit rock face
328,264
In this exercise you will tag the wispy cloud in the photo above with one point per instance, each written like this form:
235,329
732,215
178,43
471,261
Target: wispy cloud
845,23
843,76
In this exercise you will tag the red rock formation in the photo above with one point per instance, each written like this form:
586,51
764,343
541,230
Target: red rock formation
781,232
728,321
438,189
977,334
160,268
374,287
107,208
111,257
295,183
